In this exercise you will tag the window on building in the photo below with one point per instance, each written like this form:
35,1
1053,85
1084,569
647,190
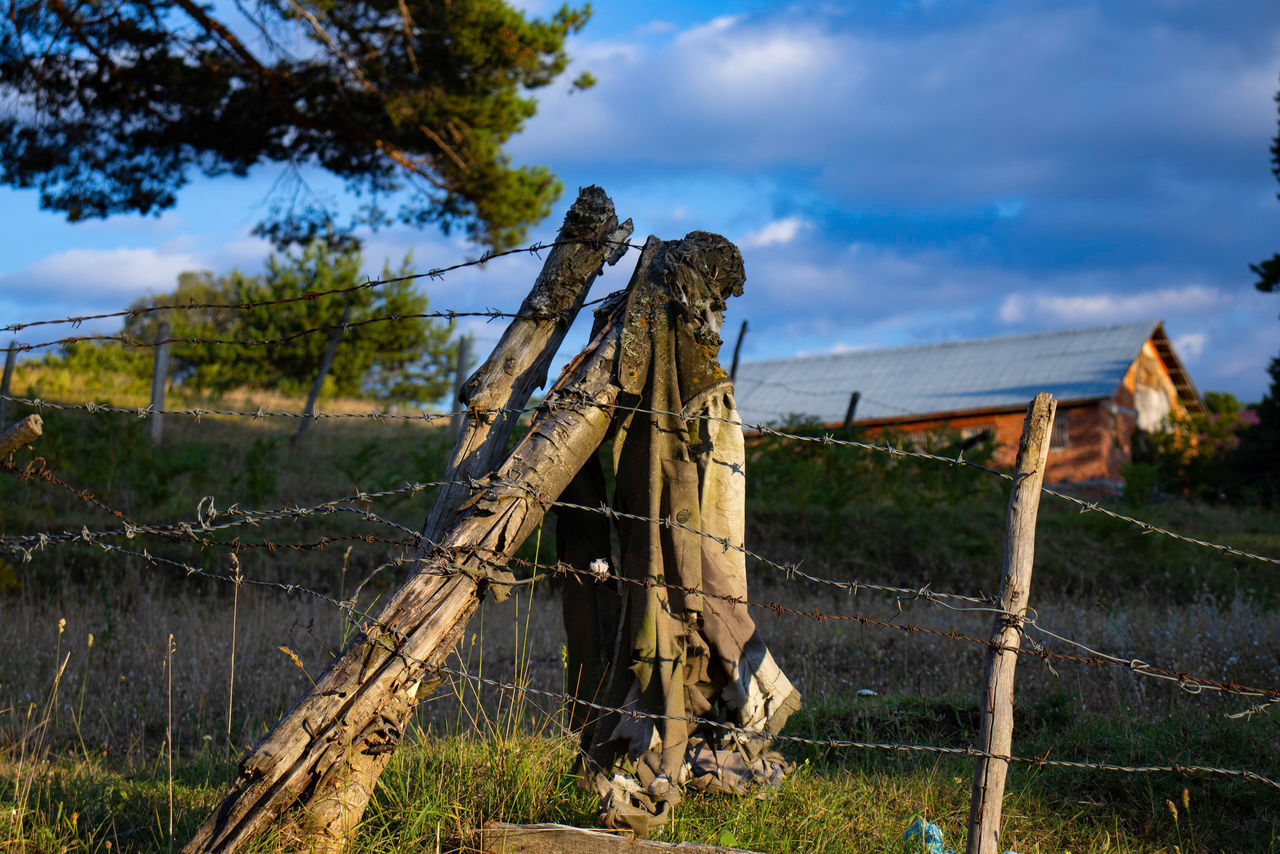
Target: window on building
1058,439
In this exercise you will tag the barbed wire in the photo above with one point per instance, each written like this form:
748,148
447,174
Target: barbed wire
131,341
208,516
198,412
38,469
435,273
968,752
825,440
349,607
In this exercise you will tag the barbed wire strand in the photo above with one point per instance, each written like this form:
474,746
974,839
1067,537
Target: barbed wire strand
435,273
826,440
207,522
968,752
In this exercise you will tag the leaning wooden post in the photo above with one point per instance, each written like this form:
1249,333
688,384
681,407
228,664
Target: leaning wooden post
24,432
7,381
159,377
324,757
459,381
995,735
326,362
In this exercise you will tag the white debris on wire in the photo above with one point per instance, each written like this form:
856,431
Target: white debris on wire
600,568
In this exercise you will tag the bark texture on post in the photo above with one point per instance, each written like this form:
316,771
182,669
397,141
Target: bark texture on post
521,358
519,362
995,735
24,432
329,749
326,754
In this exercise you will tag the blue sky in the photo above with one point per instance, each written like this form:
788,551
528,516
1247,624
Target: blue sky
895,173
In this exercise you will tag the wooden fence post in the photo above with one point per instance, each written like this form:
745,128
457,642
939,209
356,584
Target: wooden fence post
24,432
6,382
159,377
326,362
459,382
851,411
324,757
995,735
737,350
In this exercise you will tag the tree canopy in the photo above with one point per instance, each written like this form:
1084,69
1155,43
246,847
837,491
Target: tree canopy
402,360
112,106
399,357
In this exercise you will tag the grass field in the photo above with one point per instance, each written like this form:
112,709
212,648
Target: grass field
107,744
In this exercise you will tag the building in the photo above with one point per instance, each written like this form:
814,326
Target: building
1109,382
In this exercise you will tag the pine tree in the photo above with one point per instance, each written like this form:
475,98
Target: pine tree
112,106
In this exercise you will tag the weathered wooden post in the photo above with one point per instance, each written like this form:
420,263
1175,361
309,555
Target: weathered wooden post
737,351
851,411
324,757
326,362
10,356
459,381
24,432
159,378
995,735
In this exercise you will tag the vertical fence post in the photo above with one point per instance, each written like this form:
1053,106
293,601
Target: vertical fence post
852,410
10,356
159,377
995,735
326,362
459,380
737,350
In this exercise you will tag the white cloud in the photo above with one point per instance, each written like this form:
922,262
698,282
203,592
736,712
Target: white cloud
1109,307
102,276
779,231
1191,345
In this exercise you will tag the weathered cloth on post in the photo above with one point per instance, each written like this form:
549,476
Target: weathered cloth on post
681,648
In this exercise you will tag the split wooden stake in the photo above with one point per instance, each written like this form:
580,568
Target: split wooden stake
995,736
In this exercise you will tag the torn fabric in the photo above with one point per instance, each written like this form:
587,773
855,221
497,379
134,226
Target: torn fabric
669,641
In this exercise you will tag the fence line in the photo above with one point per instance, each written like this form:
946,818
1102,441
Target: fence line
435,273
130,341
207,521
826,440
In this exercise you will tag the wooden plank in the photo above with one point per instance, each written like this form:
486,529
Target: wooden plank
501,838
995,735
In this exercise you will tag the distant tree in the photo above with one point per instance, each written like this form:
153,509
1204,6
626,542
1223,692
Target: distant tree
111,106
1257,461
405,360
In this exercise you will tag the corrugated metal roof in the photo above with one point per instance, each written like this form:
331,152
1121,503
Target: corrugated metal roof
954,376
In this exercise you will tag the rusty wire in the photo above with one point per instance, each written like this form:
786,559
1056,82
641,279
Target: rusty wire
208,519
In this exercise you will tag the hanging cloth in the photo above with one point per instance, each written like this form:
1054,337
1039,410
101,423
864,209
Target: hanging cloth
682,647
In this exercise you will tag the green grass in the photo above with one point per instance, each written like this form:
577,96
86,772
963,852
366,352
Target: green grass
441,786
92,774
